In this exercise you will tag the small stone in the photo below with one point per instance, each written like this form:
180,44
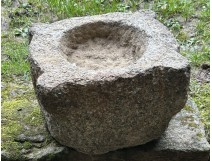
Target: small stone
5,156
2,86
3,120
203,74
26,127
13,93
43,154
5,21
185,132
38,145
189,27
21,138
33,139
25,151
36,139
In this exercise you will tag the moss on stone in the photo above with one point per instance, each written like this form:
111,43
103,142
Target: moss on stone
20,115
34,118
200,92
193,125
187,119
199,135
188,108
27,145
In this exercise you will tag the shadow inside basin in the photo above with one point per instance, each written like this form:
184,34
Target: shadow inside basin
101,45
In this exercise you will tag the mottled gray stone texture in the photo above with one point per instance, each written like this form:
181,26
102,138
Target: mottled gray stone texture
183,140
109,81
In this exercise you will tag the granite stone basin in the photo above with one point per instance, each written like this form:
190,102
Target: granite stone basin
103,45
109,81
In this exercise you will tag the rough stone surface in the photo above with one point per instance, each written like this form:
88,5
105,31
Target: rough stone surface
203,74
183,140
4,20
109,81
34,139
52,151
185,132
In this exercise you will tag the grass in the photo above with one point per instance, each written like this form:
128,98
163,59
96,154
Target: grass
197,48
176,13
200,92
15,53
15,41
70,8
172,13
169,8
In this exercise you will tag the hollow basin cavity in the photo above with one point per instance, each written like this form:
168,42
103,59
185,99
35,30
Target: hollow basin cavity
101,45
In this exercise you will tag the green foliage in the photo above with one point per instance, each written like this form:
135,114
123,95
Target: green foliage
22,15
70,8
182,36
188,108
196,49
173,24
199,135
169,8
6,3
22,32
201,94
16,62
15,41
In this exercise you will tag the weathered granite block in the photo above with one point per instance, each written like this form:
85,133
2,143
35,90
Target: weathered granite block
109,81
183,140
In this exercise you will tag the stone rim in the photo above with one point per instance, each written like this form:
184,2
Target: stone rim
95,37
58,67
